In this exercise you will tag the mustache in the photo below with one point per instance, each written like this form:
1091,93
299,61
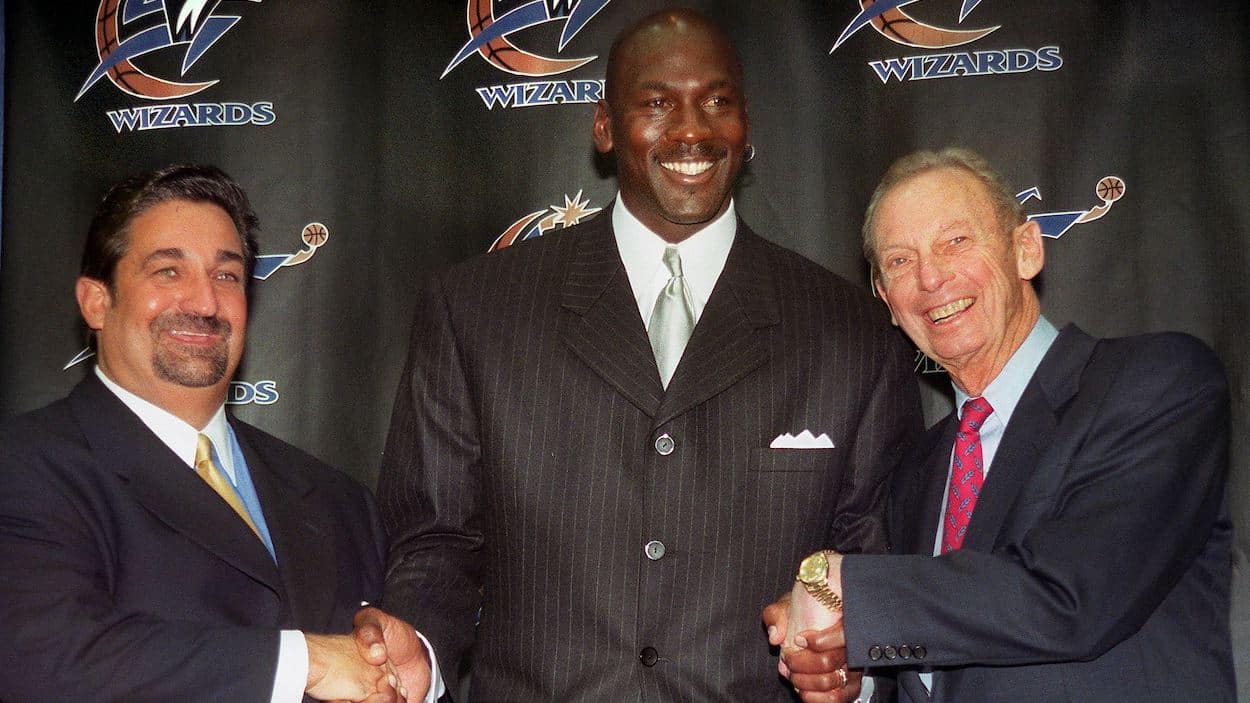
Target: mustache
698,150
192,323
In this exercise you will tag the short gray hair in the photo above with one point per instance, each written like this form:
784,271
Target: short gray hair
1006,207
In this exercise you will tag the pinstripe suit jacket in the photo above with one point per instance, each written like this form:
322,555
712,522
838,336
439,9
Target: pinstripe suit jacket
522,474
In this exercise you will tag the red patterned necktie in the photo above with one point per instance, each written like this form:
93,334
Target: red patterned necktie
967,473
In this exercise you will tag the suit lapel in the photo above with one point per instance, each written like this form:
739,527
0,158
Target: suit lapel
1028,434
922,515
727,342
300,532
164,485
604,329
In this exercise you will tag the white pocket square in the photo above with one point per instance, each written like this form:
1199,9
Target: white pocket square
803,440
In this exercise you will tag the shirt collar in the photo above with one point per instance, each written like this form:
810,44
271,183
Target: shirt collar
703,256
1005,391
176,434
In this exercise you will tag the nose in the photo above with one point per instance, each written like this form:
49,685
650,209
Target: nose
199,296
690,124
932,273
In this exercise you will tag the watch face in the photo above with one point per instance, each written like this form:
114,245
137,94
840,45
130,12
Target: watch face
814,569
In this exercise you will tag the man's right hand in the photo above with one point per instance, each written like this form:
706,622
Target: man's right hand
381,637
337,671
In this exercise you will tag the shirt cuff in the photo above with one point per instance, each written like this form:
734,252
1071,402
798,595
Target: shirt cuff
291,677
866,689
437,688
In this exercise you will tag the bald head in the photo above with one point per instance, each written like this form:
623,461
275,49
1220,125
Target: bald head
664,28
675,118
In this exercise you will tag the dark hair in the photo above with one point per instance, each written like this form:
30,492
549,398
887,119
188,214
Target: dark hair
108,236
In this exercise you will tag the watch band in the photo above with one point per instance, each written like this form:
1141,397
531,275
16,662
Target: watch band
827,597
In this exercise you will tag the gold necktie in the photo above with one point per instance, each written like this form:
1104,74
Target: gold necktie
212,475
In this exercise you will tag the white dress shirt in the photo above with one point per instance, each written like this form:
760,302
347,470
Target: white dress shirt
703,257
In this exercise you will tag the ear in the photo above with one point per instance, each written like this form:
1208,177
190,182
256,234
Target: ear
94,301
1030,253
601,132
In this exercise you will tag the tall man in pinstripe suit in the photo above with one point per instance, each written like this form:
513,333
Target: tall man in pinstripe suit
612,532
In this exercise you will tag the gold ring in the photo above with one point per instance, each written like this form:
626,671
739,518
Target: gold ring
842,677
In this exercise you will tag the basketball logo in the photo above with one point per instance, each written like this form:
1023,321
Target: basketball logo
489,36
315,234
150,26
1109,189
898,26
1055,224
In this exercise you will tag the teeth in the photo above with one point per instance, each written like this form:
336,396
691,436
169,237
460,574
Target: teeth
689,168
937,314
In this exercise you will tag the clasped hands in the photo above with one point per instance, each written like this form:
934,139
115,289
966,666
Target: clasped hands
813,643
382,661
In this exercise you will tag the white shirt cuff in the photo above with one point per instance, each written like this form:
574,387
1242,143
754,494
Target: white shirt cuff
437,688
292,674
866,689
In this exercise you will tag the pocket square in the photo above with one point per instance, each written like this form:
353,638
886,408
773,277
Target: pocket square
803,440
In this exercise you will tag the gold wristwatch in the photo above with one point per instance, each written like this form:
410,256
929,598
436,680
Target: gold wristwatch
814,575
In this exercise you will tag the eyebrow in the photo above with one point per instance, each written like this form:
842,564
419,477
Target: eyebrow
223,255
662,85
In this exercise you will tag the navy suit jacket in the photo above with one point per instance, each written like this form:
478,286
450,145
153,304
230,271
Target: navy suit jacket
1096,566
124,577
621,539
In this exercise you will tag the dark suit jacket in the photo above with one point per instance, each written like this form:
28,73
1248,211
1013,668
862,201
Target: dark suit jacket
1096,566
529,465
124,577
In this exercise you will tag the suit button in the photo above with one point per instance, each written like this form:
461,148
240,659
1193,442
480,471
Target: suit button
890,652
665,445
648,656
919,651
654,550
874,653
904,652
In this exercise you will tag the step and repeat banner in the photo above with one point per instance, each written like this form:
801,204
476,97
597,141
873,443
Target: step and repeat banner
382,141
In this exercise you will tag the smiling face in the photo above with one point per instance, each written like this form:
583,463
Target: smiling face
677,121
171,327
954,280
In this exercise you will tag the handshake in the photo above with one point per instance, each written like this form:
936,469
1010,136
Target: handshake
382,661
806,624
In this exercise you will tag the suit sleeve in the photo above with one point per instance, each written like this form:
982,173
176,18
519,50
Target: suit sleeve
62,637
429,490
888,426
1136,502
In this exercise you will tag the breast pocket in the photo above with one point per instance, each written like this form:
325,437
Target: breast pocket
769,459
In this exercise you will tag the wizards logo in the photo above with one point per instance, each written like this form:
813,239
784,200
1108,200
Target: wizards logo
128,32
1056,224
891,21
538,223
314,236
490,37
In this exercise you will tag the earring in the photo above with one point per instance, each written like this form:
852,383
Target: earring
749,153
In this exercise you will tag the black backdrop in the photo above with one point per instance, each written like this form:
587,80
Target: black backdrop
339,113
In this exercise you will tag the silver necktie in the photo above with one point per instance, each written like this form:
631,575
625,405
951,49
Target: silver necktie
672,320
